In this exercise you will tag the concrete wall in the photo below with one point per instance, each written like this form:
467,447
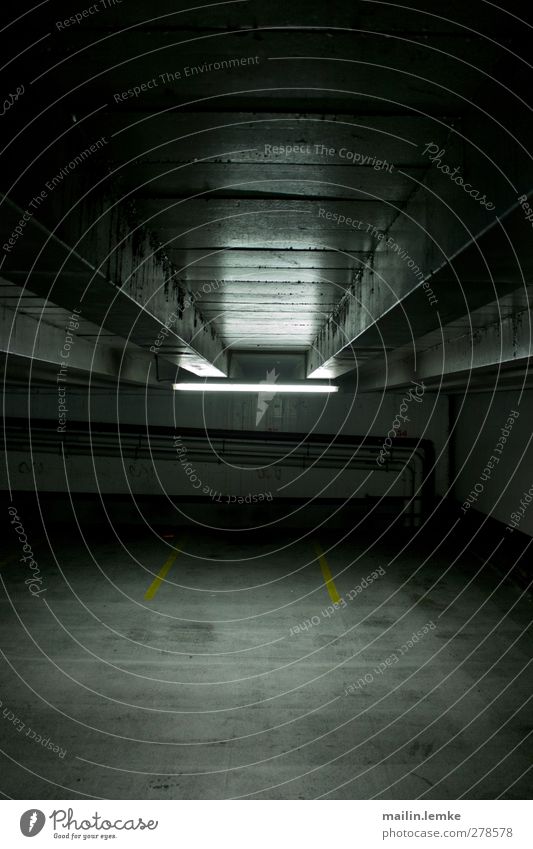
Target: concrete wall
370,414
495,491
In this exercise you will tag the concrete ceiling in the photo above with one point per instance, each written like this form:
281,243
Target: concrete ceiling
277,197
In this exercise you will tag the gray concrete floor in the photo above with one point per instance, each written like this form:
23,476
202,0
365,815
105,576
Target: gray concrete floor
202,691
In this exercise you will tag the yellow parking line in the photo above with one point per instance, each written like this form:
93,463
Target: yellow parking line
163,572
328,577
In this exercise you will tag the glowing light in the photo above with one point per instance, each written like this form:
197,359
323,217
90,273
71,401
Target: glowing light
267,388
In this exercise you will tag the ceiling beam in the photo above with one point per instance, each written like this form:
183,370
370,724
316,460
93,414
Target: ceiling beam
126,287
446,255
505,343
72,355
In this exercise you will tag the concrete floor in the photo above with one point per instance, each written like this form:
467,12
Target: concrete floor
202,691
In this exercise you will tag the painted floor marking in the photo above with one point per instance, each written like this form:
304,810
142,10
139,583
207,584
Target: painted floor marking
328,577
163,572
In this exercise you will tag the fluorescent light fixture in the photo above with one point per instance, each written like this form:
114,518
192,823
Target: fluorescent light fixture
267,388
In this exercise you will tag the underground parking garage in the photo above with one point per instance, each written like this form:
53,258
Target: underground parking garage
266,480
